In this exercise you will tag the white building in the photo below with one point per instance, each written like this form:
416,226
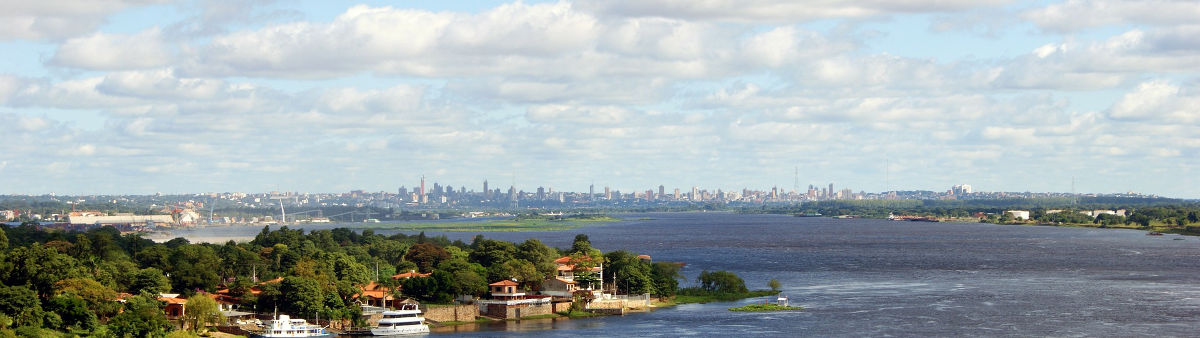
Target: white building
961,189
1019,214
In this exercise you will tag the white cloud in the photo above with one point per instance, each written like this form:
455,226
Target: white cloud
159,84
1158,101
594,116
1073,15
56,19
775,10
1145,101
102,51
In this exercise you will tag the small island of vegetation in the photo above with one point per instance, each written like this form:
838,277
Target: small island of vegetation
765,307
719,286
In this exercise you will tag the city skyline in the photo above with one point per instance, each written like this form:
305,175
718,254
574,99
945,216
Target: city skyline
134,97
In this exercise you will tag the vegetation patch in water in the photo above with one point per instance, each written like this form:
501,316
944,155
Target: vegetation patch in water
765,307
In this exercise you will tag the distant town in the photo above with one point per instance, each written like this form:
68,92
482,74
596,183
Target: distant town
436,201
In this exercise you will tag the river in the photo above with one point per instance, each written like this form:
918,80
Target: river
864,277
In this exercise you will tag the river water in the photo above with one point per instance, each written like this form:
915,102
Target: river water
862,277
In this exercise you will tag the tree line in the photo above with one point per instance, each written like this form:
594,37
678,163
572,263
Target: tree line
68,281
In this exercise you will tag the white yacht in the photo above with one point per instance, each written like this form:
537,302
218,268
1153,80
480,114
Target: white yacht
284,326
406,320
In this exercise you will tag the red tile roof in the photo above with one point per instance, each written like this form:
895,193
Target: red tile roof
410,274
504,283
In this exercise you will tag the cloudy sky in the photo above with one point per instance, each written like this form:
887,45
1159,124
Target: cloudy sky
144,96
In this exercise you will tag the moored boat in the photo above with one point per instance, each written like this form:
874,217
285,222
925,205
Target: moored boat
284,326
406,320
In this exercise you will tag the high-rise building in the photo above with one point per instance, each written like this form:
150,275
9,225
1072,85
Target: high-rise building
661,191
591,191
696,194
486,191
607,193
676,194
961,189
831,192
422,192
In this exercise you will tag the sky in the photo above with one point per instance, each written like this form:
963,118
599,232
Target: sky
150,96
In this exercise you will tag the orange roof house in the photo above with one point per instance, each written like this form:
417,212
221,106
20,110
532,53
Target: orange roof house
410,274
566,270
376,294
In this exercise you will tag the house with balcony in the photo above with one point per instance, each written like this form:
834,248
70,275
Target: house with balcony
508,301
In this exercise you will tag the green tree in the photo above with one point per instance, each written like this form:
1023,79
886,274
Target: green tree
3,240
157,256
200,311
426,256
581,244
666,278
300,296
21,304
99,298
149,280
541,255
491,252
194,267
468,282
629,274
73,311
143,317
774,284
39,267
721,282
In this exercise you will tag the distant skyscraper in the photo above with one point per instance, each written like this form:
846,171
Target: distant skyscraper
831,192
607,193
591,191
661,191
422,192
961,189
696,194
676,194
486,192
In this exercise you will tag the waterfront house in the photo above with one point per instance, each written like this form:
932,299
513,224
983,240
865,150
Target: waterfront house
566,270
374,294
509,302
558,287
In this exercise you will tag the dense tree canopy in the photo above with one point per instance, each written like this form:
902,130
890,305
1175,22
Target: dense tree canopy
71,280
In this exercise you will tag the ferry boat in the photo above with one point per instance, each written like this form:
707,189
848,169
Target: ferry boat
285,326
406,320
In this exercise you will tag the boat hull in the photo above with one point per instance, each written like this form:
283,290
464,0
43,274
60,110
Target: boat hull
259,335
414,329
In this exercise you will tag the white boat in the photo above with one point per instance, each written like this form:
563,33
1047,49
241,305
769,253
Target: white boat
284,326
406,320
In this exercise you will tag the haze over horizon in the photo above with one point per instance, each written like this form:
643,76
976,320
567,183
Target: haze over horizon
146,96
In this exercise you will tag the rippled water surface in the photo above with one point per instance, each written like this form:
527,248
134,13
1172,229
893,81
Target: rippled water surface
862,277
